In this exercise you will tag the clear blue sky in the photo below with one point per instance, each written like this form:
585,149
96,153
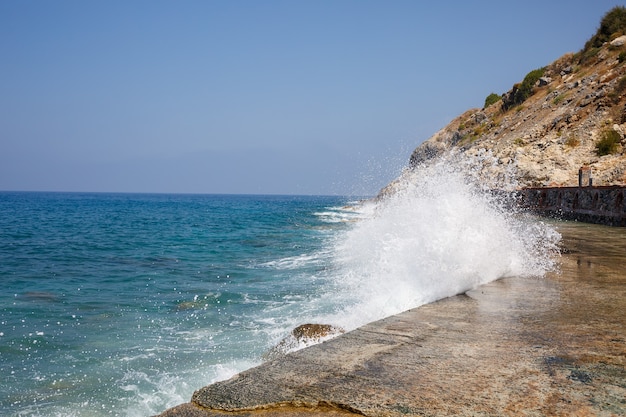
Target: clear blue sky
270,97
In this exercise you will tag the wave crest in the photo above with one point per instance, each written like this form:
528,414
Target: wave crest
443,231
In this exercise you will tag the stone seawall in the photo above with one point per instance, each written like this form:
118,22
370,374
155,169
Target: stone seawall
601,205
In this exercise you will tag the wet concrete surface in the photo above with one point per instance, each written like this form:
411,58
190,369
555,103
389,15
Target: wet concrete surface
553,346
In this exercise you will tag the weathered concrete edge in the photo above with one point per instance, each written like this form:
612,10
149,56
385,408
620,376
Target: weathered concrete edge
194,410
246,394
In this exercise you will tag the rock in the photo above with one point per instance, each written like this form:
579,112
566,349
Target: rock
303,336
307,332
621,41
430,150
544,81
479,117
456,137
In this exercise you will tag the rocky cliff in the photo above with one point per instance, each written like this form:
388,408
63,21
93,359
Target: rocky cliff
567,115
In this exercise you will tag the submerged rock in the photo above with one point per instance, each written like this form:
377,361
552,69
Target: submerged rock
40,296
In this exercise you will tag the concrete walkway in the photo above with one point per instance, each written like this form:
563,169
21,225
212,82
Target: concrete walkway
518,346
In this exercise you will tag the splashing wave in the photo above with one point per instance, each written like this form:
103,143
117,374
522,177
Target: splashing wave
442,232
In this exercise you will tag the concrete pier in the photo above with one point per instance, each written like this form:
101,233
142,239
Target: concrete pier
601,205
517,346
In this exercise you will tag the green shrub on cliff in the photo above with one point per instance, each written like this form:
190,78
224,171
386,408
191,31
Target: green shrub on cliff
525,89
608,143
587,54
491,99
613,23
521,91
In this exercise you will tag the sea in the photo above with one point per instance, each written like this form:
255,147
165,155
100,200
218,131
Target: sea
124,304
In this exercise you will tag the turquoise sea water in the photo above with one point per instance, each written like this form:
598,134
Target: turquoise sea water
116,304
124,304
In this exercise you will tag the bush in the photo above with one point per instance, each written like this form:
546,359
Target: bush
587,55
608,143
491,99
525,89
521,91
613,22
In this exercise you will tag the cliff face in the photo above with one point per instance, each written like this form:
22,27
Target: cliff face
576,103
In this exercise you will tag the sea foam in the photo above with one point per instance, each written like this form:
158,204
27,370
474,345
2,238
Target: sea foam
442,232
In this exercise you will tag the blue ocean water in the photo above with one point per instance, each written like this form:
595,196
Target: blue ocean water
124,304
110,300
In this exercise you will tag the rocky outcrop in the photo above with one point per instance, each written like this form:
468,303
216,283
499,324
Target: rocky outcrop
306,332
303,336
556,130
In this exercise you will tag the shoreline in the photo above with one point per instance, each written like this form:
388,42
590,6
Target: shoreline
516,346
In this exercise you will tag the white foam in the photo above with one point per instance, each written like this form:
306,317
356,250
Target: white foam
169,390
441,234
292,262
352,211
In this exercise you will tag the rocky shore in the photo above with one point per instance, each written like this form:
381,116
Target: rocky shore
517,346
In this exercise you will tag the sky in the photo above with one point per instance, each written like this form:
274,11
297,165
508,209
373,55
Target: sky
254,97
